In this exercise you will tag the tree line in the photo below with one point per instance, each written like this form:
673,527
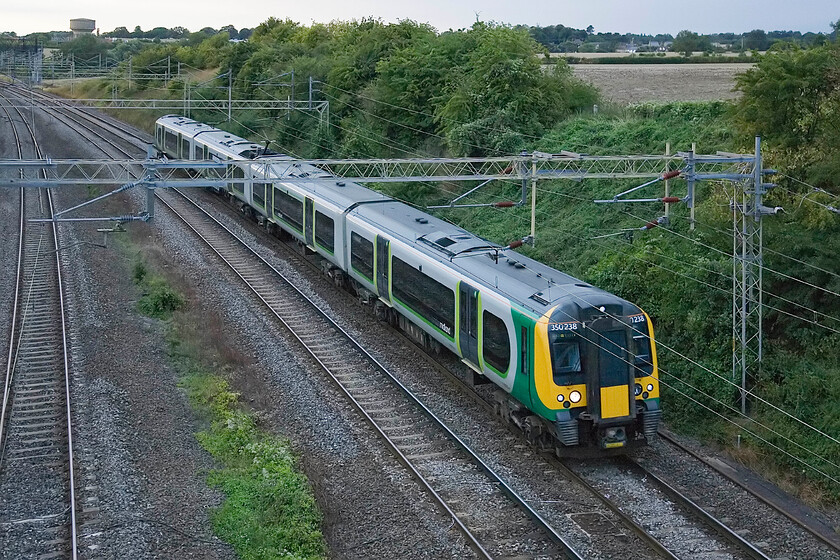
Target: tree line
405,89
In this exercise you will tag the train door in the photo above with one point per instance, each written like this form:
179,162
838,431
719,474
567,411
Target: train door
615,389
468,329
383,248
309,222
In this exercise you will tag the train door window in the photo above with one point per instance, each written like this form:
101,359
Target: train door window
159,137
308,221
612,358
427,297
258,192
642,364
324,231
185,148
289,209
524,355
361,255
496,342
237,173
170,143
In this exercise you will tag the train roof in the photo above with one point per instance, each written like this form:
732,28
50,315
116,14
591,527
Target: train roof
523,280
223,141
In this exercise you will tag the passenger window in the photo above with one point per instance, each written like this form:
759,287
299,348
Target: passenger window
289,209
324,231
496,350
361,255
426,296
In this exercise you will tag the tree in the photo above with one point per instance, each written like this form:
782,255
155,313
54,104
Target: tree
686,42
756,40
785,95
85,48
230,30
790,98
590,30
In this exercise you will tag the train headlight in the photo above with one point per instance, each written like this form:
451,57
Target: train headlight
637,389
650,387
574,396
560,398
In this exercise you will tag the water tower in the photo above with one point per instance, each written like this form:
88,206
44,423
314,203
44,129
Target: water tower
82,26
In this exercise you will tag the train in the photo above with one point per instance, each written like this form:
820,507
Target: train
574,366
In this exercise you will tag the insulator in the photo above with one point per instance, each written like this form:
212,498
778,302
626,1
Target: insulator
507,170
504,204
671,199
650,225
671,174
515,244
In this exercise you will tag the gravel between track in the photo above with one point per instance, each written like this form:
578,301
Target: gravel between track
143,473
144,487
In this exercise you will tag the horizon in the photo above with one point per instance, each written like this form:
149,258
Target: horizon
595,32
643,17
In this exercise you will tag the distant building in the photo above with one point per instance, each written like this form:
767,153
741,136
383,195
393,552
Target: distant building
61,36
82,26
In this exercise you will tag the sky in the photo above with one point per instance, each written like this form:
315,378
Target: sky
622,16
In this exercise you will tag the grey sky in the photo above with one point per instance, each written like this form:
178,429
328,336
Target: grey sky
624,16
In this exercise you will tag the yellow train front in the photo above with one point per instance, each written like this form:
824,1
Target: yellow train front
595,381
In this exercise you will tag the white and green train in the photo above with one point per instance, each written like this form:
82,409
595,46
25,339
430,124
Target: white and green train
574,366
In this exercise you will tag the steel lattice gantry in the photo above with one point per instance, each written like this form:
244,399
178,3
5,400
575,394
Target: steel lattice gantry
173,104
161,173
745,170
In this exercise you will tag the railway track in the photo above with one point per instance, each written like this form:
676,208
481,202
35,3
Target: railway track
498,525
668,537
37,488
717,541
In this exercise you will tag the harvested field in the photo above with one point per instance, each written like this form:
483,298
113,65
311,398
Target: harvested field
637,83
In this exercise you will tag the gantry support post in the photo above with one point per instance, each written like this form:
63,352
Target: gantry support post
747,279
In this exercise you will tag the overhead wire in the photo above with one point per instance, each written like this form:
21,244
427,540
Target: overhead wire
769,250
768,306
432,134
711,397
687,358
708,370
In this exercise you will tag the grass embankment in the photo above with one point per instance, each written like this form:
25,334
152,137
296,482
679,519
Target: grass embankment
682,277
269,509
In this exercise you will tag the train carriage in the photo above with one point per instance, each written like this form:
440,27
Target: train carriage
573,365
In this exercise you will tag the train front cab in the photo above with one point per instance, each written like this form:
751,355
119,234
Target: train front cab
595,370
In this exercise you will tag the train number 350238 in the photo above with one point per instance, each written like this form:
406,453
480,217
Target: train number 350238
564,326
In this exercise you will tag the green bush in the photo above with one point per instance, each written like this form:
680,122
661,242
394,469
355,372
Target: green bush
270,510
159,300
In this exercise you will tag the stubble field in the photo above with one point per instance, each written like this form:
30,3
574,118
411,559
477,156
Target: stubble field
637,83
